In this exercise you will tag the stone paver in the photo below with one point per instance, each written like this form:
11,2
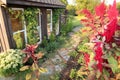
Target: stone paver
56,63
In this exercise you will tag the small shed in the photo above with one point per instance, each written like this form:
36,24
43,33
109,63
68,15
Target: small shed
10,25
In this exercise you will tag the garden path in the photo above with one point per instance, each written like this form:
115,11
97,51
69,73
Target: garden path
56,64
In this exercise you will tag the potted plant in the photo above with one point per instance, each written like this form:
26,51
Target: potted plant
10,63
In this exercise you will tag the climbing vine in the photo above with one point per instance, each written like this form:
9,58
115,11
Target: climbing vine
56,14
31,19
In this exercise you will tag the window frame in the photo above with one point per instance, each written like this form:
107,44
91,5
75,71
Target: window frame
24,30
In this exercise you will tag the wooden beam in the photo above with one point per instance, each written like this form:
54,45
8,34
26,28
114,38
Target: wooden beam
2,2
31,3
44,22
3,34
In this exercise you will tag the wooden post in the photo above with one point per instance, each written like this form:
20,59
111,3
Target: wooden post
44,22
3,34
2,2
6,38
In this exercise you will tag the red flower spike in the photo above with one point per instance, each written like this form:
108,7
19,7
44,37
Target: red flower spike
87,13
86,58
110,31
98,55
113,12
100,10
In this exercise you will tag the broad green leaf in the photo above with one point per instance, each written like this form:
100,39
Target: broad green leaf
24,68
113,62
28,76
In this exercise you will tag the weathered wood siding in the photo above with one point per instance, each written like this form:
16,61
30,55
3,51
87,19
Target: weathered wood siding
6,41
3,35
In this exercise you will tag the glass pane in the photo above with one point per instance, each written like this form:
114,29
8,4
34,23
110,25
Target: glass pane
16,20
49,22
19,39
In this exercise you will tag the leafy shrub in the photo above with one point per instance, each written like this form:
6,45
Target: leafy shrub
73,73
52,37
67,27
18,39
73,54
52,46
10,62
44,42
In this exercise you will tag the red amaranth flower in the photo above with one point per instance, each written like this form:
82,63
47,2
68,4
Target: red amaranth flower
87,13
86,58
100,9
113,12
110,31
98,55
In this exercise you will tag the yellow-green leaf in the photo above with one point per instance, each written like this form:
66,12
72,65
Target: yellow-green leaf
24,68
28,76
42,70
113,62
34,66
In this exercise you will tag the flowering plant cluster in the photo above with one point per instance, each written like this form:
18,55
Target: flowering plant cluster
104,25
10,62
29,52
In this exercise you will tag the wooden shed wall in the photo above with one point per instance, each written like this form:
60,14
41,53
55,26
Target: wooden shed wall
3,36
5,31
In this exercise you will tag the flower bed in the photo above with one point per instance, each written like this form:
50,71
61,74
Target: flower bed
100,54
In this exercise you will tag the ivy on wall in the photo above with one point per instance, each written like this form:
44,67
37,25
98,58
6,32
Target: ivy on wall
31,19
55,17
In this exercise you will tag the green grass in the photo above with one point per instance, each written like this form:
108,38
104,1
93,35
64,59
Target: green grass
76,21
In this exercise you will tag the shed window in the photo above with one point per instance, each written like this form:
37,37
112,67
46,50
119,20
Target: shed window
18,27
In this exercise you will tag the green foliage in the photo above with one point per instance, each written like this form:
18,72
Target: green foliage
113,62
118,6
84,48
86,4
10,62
44,42
51,46
55,17
30,15
73,73
64,1
56,76
18,39
73,54
67,27
80,60
71,9
52,37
